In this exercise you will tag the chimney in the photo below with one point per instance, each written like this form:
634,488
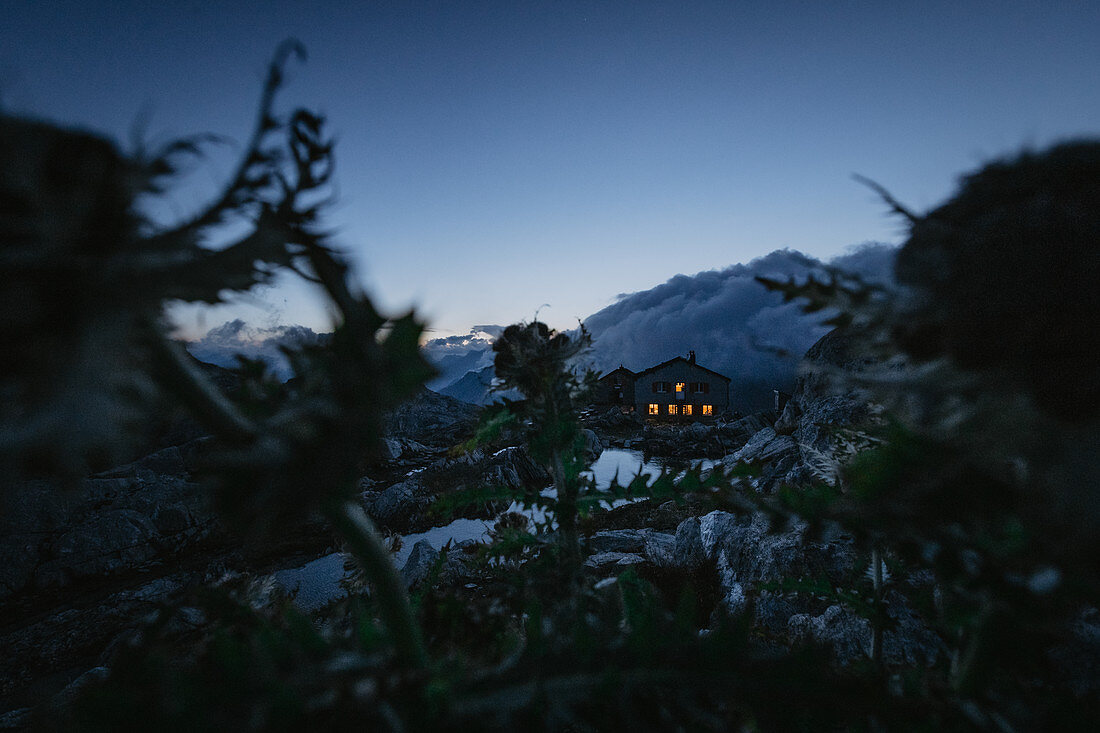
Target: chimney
691,357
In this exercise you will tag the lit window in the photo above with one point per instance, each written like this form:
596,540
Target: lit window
708,409
680,386
687,409
654,408
672,409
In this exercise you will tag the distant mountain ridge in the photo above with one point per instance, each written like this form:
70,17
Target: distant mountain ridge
735,325
473,387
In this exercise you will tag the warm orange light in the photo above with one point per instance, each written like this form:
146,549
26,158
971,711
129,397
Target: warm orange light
708,409
687,409
680,386
672,409
654,408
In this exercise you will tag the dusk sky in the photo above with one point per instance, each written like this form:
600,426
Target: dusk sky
495,157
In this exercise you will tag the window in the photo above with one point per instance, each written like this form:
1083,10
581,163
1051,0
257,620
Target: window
660,387
687,409
700,387
654,408
708,409
672,409
680,386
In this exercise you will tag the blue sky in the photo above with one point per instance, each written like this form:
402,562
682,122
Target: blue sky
493,157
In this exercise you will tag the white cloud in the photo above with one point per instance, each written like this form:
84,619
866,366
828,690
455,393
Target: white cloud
734,325
223,343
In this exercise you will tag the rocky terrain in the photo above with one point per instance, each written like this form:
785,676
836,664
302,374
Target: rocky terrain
767,570
82,569
81,572
796,584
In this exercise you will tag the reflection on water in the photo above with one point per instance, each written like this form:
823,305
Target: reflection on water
318,582
627,463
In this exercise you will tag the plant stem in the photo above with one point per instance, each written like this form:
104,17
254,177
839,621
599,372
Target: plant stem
567,510
365,544
876,634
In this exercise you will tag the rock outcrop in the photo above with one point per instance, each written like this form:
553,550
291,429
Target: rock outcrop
425,560
432,419
403,505
113,523
753,560
819,428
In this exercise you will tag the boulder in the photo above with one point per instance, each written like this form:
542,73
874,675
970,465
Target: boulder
592,445
397,505
765,445
742,428
747,552
604,562
391,449
772,610
818,422
846,635
660,549
513,468
682,550
432,419
788,419
118,540
423,561
688,550
419,566
617,540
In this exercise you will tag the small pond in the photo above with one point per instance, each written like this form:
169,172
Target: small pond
318,582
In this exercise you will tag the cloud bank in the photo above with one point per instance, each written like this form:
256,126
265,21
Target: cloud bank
221,344
733,324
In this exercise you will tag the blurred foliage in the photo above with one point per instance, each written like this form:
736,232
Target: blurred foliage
533,358
985,472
